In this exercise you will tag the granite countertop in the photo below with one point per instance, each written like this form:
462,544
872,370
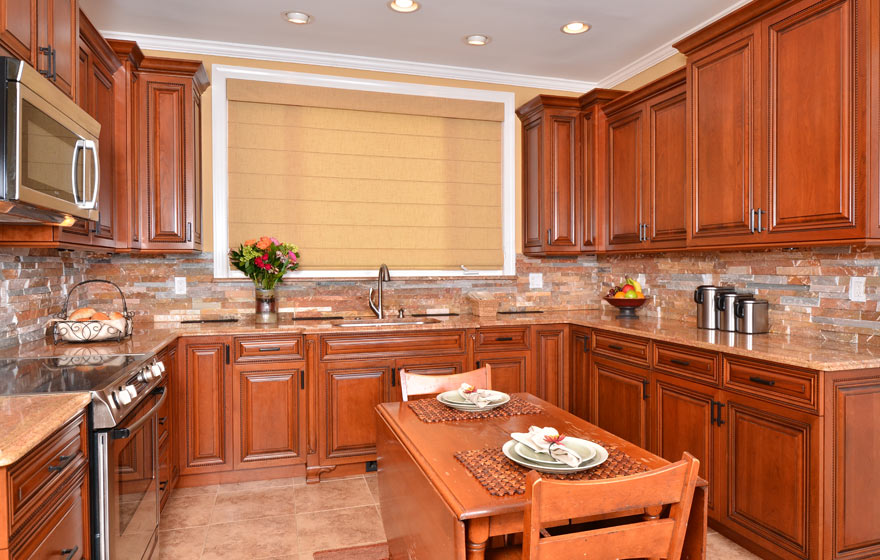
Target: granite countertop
27,420
801,351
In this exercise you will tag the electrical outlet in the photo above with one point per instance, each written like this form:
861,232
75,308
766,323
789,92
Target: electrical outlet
857,289
180,285
536,280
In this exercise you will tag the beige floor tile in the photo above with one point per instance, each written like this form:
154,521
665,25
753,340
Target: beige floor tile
182,544
333,494
253,504
187,511
255,485
720,548
267,537
339,528
373,485
194,491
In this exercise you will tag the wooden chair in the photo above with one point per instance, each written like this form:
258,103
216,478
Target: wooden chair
664,494
413,384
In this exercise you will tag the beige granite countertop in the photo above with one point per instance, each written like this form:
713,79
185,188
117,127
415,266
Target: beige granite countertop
800,351
27,420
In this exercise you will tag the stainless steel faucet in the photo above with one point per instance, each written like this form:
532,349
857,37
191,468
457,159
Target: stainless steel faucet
384,276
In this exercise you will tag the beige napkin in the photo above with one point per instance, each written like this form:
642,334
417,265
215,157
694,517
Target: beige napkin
548,440
479,397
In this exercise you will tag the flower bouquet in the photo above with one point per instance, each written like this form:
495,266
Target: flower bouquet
265,261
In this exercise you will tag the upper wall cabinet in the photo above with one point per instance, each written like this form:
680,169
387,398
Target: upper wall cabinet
778,115
646,167
18,20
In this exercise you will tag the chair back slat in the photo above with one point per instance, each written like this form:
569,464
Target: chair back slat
655,488
649,539
625,537
414,384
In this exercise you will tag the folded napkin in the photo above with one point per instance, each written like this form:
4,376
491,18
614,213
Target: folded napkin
548,440
479,397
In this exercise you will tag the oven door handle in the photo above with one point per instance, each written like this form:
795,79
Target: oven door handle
122,433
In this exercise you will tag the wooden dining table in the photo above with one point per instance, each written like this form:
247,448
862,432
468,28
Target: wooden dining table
433,508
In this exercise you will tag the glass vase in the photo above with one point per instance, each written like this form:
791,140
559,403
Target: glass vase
265,306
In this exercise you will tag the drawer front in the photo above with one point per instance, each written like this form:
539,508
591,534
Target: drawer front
780,384
33,479
268,349
436,343
64,532
502,339
163,416
164,473
691,363
613,345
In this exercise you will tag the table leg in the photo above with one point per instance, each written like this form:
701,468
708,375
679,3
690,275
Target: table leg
477,538
695,537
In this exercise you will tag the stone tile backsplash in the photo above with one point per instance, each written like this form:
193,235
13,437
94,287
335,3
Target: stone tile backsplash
807,288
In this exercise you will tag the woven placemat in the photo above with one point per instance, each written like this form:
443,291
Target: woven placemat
502,477
432,410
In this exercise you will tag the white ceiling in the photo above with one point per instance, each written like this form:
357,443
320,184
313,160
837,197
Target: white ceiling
525,33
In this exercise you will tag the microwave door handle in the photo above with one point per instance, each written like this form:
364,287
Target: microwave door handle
96,174
77,148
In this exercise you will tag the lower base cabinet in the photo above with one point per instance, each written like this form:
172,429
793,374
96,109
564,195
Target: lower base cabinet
579,364
620,400
550,363
510,370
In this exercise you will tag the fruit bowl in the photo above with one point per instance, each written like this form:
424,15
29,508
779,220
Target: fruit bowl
626,306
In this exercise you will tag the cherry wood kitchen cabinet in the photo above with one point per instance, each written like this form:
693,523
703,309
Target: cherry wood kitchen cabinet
169,469
550,363
18,29
508,351
647,167
620,399
579,364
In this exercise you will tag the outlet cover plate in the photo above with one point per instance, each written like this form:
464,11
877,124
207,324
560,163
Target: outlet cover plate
180,285
857,289
536,280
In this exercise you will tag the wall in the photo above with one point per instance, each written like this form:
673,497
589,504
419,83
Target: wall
655,72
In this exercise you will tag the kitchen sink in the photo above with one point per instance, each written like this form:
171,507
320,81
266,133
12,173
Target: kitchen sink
389,322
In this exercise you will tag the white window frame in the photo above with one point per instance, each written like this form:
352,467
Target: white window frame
219,145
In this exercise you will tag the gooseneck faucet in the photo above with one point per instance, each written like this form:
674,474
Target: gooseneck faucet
384,276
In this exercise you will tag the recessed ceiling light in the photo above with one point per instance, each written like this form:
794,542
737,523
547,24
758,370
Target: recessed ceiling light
575,27
298,18
404,6
477,40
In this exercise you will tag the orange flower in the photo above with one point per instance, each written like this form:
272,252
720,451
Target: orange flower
250,241
264,243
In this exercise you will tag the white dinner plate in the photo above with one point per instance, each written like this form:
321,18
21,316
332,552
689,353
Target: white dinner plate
586,449
600,457
453,400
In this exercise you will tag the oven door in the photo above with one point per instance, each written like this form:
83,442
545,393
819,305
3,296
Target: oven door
127,490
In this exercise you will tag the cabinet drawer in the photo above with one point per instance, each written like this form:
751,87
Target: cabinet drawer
36,477
163,417
490,339
268,349
613,345
164,472
781,384
436,343
695,364
63,533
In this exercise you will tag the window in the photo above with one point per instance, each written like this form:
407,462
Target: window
360,172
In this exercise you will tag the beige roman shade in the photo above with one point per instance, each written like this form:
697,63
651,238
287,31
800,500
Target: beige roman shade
360,178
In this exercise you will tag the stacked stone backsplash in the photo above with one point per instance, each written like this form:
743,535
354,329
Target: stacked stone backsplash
807,288
33,287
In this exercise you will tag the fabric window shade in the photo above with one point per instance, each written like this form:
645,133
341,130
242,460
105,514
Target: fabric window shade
361,178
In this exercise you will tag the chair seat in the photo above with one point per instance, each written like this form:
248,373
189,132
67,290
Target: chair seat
504,553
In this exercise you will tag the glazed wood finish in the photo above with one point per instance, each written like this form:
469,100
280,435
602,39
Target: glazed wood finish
661,536
625,178
417,459
510,370
579,398
550,364
169,466
18,28
620,400
423,385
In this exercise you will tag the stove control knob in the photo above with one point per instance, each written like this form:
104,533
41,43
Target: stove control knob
145,375
131,390
161,366
157,369
123,397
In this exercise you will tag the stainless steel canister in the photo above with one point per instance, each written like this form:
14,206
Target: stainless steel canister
707,315
725,305
752,316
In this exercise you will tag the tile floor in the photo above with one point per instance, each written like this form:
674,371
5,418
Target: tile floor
286,519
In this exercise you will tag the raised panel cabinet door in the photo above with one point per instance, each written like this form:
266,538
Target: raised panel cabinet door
348,395
816,142
549,359
579,396
561,178
268,402
423,365
533,170
196,170
620,403
773,488
204,403
625,178
18,28
723,103
509,370
685,421
667,185
63,34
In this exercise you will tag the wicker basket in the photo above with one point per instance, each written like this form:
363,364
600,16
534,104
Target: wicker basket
91,331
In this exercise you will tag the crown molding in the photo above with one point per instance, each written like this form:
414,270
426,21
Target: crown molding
297,56
662,52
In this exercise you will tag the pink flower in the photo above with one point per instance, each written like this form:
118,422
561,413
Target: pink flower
275,241
292,256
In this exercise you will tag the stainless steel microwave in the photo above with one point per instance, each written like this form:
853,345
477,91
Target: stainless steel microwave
48,151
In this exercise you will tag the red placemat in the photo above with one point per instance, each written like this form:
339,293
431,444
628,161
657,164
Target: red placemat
432,410
502,477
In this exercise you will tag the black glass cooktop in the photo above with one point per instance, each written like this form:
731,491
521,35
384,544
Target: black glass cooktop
63,374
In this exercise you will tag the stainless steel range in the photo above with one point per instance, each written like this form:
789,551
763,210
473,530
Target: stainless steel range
123,452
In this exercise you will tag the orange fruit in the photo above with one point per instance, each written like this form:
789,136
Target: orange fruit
620,295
